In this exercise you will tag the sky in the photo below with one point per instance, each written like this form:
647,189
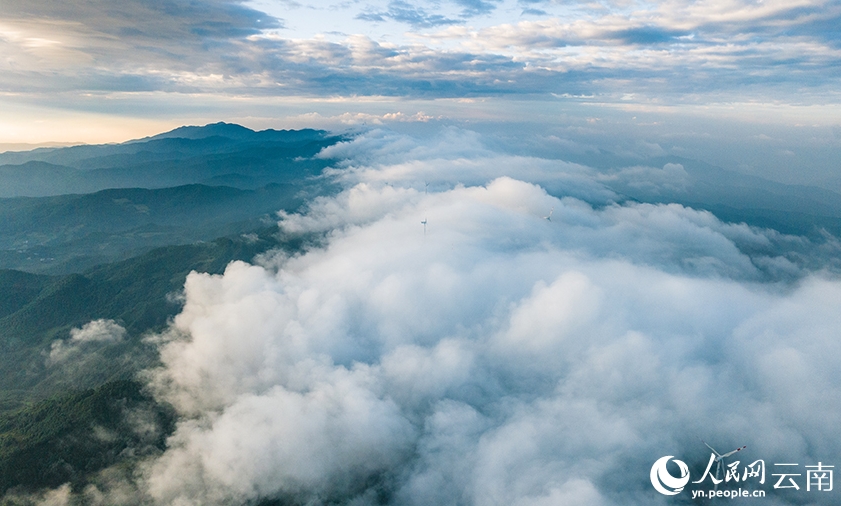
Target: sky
98,71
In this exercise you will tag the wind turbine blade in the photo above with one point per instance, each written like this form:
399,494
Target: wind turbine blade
713,449
734,451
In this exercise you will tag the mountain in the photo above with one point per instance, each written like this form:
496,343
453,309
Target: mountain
118,228
221,153
67,209
63,439
233,131
40,178
19,288
54,413
220,129
735,197
136,293
731,196
69,233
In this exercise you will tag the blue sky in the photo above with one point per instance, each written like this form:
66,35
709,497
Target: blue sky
98,71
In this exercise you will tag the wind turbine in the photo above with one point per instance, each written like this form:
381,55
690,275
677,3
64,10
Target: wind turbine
720,459
549,216
424,227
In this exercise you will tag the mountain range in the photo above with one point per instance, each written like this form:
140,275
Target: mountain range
67,209
218,154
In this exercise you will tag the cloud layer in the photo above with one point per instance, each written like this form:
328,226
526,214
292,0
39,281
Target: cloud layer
492,356
665,51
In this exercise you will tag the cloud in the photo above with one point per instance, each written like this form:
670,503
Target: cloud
136,45
498,357
649,35
670,179
407,13
60,496
671,52
96,332
476,7
420,17
150,20
326,441
451,157
533,12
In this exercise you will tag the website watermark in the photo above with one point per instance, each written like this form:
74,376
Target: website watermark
727,494
731,480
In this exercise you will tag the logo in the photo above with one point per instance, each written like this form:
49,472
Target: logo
662,479
818,477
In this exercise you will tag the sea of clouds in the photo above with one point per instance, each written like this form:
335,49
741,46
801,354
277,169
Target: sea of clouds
537,341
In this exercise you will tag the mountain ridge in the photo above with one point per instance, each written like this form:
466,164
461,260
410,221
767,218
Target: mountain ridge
66,233
185,155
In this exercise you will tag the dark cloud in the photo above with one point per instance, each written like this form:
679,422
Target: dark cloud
476,7
152,19
136,45
534,12
404,12
375,69
649,35
420,17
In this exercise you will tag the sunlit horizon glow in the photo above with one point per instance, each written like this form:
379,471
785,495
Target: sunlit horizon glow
27,122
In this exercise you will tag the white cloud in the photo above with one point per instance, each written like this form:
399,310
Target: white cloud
499,358
453,156
324,441
671,178
98,332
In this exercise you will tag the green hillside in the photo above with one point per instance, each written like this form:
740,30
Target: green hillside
119,228
19,288
69,233
137,293
68,437
64,420
109,242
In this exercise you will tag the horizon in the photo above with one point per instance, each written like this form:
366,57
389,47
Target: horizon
800,154
82,73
